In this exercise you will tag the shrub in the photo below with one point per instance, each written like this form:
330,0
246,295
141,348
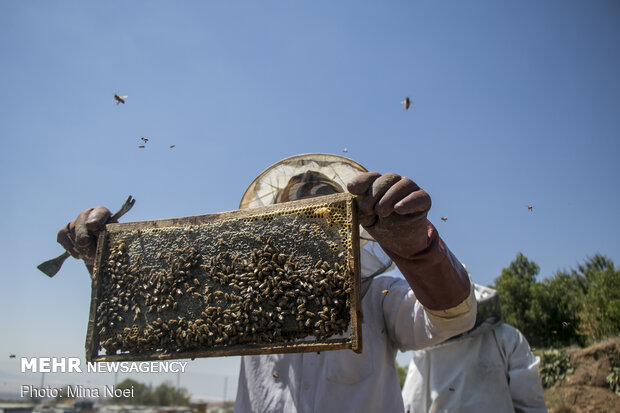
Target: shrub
613,379
554,366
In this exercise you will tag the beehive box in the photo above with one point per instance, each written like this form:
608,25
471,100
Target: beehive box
275,279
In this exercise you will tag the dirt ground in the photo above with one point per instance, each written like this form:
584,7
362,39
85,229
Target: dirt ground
586,390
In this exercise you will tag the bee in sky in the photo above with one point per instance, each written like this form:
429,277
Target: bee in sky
119,99
444,219
406,103
12,356
172,146
144,139
530,208
345,150
141,146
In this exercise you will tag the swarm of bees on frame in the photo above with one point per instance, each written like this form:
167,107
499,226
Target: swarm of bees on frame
265,297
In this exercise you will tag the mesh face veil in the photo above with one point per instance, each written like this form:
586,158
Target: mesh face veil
333,169
310,175
488,304
306,185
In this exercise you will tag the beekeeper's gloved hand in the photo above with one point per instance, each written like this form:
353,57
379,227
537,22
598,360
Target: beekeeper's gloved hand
393,210
78,236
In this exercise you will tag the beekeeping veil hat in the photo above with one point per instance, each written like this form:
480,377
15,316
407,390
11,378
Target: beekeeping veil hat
488,305
311,175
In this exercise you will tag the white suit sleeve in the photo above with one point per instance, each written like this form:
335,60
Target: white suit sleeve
409,326
522,369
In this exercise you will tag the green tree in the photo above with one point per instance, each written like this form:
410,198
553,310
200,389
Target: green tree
600,315
142,394
167,395
553,315
581,306
515,288
163,395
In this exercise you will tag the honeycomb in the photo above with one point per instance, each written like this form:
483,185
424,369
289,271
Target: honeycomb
281,278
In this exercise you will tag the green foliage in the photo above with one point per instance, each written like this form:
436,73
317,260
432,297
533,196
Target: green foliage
580,306
600,316
402,374
141,393
613,379
163,395
166,395
514,287
554,366
553,316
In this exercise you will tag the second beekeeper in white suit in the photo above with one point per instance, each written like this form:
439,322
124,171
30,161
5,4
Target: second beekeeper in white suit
487,369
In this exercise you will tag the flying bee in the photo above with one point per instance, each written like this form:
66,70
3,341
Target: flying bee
141,146
119,99
172,146
406,103
345,150
530,208
444,219
144,139
385,291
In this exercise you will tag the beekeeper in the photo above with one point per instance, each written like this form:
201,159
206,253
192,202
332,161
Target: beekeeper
487,369
433,302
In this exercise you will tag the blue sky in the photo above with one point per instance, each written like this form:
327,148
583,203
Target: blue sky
515,104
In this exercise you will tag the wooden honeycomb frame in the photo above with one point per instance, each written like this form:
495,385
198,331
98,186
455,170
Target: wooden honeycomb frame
275,279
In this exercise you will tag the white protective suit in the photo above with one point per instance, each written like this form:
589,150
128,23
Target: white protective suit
342,380
488,369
